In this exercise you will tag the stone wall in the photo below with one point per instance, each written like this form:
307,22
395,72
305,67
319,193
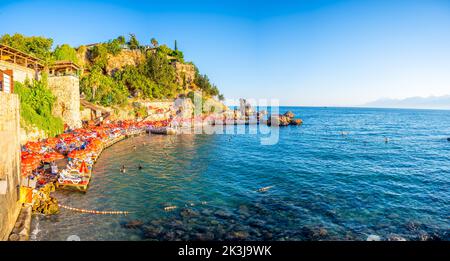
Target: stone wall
9,162
20,73
67,92
31,133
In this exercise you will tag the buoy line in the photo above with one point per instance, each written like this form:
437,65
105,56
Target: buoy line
94,211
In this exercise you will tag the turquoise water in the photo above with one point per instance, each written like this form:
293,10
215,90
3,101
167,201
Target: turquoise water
334,178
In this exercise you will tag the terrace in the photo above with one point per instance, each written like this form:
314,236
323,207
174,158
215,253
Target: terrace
14,56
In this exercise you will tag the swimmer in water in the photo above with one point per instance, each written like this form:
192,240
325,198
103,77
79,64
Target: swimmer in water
386,140
134,147
140,167
123,169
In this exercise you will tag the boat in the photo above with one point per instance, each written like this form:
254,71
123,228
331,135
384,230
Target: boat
163,131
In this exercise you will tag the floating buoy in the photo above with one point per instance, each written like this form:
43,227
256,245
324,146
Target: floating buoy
170,208
264,189
94,211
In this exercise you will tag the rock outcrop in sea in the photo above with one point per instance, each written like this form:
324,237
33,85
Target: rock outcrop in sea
283,119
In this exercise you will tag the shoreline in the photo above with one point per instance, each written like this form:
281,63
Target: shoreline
21,231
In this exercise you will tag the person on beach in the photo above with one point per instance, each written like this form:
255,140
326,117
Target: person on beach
54,168
123,169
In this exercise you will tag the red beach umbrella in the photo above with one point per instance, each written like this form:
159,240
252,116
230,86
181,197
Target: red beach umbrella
83,168
52,156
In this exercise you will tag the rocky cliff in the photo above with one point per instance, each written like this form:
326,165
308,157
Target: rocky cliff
185,74
124,58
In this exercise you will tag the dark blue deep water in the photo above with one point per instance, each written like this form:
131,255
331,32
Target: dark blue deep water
334,178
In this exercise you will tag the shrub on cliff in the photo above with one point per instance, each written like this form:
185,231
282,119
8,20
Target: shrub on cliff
102,89
137,82
65,53
202,81
133,43
36,104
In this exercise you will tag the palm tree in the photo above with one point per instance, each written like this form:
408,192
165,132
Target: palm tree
154,42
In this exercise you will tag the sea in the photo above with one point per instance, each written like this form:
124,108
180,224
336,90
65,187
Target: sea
345,174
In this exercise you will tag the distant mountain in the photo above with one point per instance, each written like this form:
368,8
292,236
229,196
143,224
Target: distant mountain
432,102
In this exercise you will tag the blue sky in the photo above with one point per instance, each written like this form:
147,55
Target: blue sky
313,53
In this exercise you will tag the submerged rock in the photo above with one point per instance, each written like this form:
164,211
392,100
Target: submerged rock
222,214
267,236
243,210
430,237
394,237
373,238
257,223
206,212
322,232
133,224
207,236
412,226
307,233
239,235
152,232
187,212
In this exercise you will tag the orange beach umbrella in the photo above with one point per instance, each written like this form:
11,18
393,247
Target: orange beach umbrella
52,156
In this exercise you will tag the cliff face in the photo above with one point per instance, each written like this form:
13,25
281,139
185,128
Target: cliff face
124,58
185,74
115,62
82,57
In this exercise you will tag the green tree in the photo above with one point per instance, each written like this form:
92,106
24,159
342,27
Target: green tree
121,39
159,70
154,42
103,89
133,43
137,82
65,53
100,56
35,45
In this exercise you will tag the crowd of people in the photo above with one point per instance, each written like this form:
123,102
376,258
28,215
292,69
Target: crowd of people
75,151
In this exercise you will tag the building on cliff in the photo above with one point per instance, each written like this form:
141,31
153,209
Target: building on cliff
6,81
63,81
23,65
